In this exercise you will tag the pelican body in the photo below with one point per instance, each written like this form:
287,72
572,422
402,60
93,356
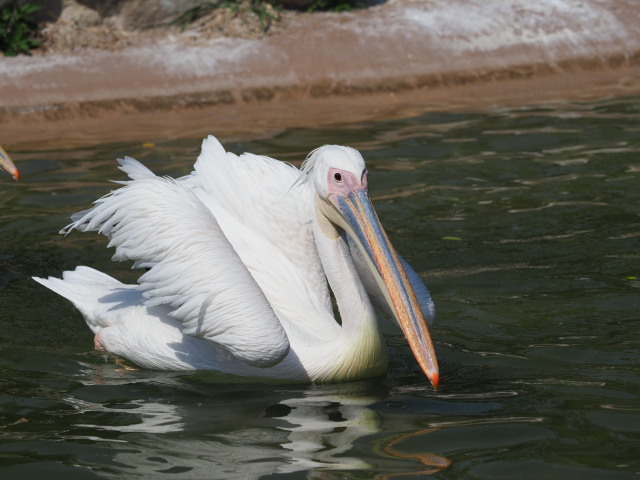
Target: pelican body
241,258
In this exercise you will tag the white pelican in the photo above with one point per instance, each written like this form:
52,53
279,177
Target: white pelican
241,256
7,165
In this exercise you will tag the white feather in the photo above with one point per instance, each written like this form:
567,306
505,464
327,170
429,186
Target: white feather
140,220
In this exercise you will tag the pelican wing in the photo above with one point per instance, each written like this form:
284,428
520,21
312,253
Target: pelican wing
265,213
192,268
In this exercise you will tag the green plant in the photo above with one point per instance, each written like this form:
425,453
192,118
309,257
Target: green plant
17,29
196,12
335,5
266,11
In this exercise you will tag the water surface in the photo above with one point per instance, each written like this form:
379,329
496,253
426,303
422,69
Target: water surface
524,223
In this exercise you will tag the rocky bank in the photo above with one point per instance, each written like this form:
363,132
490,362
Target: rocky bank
127,80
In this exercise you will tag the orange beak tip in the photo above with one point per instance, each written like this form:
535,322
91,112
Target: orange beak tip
16,175
435,380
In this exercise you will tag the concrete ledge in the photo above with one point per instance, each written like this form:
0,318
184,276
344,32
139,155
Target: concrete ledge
329,68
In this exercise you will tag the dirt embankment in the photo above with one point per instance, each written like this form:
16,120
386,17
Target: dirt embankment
400,58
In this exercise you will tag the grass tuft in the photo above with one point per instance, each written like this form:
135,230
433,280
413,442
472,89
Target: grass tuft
18,30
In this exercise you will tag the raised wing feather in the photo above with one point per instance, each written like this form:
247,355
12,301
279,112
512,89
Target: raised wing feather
193,269
266,216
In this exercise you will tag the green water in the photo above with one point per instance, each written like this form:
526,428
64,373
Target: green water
524,223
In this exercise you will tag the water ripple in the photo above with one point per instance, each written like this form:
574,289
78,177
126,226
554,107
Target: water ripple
537,327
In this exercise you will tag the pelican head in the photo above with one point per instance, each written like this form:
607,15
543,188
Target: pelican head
340,178
7,165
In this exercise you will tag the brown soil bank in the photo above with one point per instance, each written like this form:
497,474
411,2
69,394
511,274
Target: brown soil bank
400,58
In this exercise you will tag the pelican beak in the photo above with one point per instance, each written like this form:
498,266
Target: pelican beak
7,164
359,219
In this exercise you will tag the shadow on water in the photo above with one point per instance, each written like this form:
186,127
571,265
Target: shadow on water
525,225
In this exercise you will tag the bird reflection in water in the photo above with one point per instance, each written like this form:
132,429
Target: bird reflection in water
192,424
435,462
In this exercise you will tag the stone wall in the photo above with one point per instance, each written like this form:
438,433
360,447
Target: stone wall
131,14
137,14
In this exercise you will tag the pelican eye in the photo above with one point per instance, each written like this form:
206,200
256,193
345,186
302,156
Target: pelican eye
337,176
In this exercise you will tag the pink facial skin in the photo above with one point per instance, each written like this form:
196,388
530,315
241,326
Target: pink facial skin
343,183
